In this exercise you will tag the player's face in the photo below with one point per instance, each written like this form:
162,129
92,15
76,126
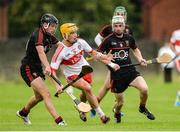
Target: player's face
121,14
51,28
73,37
118,28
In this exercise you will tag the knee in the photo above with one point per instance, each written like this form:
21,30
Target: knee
144,90
120,102
88,90
39,99
108,88
46,95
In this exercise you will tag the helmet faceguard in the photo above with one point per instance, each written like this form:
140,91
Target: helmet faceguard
118,20
68,28
119,11
48,19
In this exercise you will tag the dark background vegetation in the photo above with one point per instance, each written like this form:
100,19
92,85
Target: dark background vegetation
90,15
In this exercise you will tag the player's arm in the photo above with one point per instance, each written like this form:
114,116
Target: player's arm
98,39
55,63
138,55
136,51
172,46
57,86
172,43
106,59
58,43
43,58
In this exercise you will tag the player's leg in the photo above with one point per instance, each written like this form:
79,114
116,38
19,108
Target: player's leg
86,87
141,85
23,113
106,87
177,101
117,107
102,92
40,87
83,99
28,78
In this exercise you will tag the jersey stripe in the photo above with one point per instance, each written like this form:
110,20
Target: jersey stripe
40,37
58,51
28,73
73,60
99,48
177,43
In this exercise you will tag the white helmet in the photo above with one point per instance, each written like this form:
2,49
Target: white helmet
118,19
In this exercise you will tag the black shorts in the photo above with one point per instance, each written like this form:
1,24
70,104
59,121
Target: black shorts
31,72
120,85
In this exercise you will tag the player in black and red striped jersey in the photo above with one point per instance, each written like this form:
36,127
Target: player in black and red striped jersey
120,43
31,69
106,30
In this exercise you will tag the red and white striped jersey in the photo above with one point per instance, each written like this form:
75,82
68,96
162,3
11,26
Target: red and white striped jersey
71,57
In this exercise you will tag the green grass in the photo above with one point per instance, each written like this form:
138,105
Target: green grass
14,94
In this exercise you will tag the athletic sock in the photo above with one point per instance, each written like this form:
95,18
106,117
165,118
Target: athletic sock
142,107
99,111
58,120
24,112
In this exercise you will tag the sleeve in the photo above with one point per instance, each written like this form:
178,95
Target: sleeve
39,36
106,30
98,39
132,43
85,46
57,57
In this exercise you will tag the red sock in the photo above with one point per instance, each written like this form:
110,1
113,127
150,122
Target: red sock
59,119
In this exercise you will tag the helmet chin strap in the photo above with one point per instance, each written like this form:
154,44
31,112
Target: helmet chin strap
45,26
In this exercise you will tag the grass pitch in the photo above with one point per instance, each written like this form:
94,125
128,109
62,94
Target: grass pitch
14,95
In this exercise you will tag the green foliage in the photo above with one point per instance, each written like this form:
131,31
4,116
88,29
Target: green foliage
90,15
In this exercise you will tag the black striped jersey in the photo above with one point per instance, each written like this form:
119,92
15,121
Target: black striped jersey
120,49
39,37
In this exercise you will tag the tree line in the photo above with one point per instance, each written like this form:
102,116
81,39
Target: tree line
90,15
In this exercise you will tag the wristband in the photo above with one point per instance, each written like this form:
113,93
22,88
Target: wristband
111,64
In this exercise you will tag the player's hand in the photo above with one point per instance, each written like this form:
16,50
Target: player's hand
59,89
48,70
110,56
114,66
143,62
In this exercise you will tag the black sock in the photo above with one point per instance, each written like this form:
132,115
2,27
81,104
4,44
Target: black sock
24,112
142,107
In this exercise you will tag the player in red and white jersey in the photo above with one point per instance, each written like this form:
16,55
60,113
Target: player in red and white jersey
71,57
70,54
175,46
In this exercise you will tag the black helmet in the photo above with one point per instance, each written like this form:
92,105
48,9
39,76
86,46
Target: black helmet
49,18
